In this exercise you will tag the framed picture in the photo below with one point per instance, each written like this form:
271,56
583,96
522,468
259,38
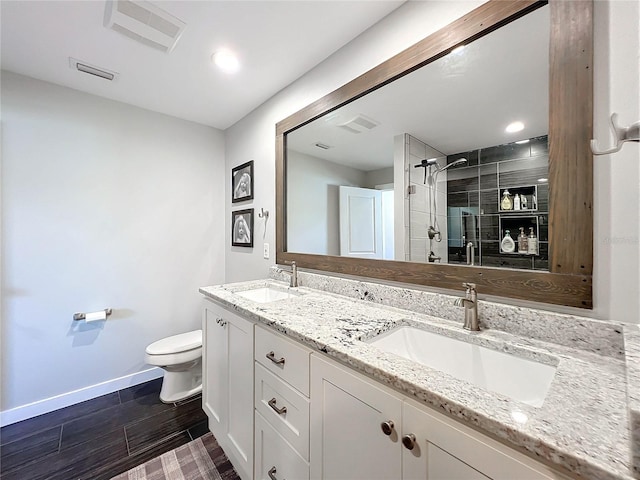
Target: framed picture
242,182
242,228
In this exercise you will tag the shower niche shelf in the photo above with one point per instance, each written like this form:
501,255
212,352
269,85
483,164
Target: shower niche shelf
529,192
513,224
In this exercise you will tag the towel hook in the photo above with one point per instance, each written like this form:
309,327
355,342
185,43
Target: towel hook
263,213
621,134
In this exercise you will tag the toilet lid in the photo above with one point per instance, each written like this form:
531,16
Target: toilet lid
177,343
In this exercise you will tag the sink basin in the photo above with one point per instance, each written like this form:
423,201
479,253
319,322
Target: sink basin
518,378
267,294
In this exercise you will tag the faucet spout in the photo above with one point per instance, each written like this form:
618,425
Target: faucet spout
470,304
294,275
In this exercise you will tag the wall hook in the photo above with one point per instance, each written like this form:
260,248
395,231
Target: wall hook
621,134
263,213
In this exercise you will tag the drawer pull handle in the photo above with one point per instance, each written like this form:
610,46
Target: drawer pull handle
409,441
272,356
279,411
272,473
387,427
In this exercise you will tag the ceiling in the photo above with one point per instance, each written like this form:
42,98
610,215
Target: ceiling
276,41
460,102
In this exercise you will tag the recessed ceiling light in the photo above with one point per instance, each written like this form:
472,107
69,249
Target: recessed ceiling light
543,180
514,127
521,142
226,61
458,49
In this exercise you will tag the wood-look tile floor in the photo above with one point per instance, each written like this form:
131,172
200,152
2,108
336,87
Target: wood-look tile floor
99,438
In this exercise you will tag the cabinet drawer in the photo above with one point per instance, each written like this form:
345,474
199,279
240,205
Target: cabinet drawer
275,458
284,408
284,358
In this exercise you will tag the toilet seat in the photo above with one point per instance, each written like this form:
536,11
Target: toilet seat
176,343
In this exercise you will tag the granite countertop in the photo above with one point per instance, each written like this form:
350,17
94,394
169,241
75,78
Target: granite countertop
583,424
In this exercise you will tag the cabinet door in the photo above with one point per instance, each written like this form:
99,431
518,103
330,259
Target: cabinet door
240,393
214,369
447,450
347,441
228,384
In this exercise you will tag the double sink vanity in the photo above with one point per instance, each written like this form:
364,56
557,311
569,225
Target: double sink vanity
344,379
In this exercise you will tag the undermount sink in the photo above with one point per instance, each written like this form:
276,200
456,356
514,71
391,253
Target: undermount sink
267,294
518,378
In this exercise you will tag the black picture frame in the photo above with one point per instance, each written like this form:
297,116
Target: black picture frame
242,182
242,228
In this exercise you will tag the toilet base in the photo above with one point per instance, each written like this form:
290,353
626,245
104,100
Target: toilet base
180,385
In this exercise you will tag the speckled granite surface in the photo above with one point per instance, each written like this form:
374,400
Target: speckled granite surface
632,346
582,426
604,338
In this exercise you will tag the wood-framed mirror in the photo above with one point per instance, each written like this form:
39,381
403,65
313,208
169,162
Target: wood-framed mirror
567,275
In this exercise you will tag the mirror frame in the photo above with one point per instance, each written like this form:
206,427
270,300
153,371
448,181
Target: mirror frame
569,279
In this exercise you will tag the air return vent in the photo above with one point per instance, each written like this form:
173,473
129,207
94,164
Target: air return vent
359,124
144,22
86,67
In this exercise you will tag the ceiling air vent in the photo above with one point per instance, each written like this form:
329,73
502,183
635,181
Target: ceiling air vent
144,22
86,67
359,124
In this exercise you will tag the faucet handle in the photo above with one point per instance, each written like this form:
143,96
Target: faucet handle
469,286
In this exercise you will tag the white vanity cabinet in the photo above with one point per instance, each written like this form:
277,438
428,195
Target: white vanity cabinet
227,393
361,429
281,407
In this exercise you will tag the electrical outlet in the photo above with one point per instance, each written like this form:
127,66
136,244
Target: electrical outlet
265,251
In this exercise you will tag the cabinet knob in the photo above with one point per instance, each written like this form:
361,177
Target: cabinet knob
387,427
279,411
409,441
272,356
221,322
272,473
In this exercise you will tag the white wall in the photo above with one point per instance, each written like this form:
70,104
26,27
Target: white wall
103,205
382,176
617,179
313,215
617,176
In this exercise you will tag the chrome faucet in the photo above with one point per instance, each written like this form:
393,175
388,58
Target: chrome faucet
470,303
294,275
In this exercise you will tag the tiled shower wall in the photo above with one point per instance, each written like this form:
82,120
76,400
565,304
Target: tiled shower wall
478,187
419,205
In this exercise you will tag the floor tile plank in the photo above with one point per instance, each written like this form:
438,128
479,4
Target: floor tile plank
18,430
141,434
78,431
29,449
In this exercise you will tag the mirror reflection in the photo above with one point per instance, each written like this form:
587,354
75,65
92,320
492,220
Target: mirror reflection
434,166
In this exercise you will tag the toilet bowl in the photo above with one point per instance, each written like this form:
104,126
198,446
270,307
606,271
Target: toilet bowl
181,358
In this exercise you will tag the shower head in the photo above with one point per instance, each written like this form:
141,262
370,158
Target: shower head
454,164
427,163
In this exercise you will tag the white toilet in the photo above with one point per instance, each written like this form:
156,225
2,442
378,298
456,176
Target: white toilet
181,358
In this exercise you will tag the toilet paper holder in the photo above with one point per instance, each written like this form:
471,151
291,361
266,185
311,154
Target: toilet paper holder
82,316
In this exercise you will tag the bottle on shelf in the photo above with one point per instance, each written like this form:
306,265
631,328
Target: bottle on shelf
516,202
506,203
507,244
523,242
523,202
532,243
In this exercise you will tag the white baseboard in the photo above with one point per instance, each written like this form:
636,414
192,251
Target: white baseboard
47,405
